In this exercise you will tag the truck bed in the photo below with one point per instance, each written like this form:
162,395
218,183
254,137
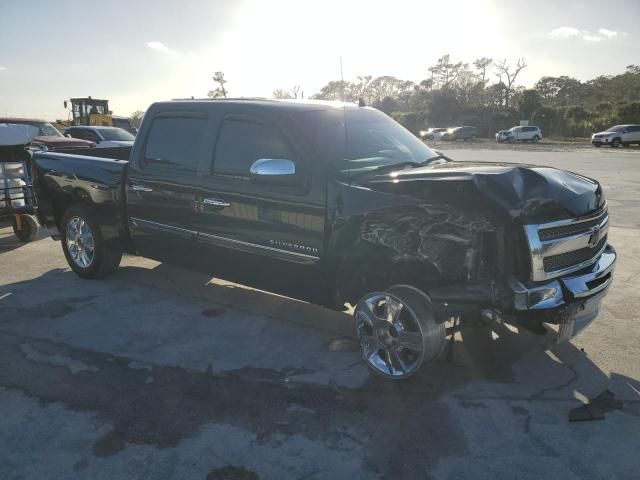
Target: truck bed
62,179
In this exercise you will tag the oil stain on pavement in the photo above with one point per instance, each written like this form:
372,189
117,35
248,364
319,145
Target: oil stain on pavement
378,419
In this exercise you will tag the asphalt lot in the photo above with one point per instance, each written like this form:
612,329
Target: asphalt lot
161,373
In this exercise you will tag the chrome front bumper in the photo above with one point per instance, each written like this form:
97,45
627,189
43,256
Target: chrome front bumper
565,290
572,302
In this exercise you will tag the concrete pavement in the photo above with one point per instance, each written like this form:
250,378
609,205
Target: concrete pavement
161,373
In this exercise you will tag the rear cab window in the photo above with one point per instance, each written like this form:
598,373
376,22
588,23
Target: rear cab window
175,141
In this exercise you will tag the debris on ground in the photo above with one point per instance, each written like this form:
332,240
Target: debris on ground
596,408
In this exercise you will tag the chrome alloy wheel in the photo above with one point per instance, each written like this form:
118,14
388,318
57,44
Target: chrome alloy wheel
80,243
391,339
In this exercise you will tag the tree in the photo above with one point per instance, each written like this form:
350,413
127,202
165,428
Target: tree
444,73
335,90
219,91
547,87
387,86
634,69
483,65
528,102
292,93
508,76
136,118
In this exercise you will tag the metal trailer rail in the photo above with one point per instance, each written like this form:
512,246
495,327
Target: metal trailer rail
17,199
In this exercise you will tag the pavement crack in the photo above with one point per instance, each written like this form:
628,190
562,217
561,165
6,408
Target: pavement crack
541,393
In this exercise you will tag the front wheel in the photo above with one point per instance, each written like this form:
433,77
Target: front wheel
535,139
86,251
25,228
615,143
397,331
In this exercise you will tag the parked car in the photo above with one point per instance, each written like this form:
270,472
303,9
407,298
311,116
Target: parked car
104,137
433,133
337,206
37,134
618,135
520,134
501,135
460,133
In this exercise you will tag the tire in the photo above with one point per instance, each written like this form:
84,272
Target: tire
87,254
597,145
615,143
535,139
398,332
28,228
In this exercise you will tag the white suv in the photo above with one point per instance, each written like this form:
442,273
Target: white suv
616,136
520,134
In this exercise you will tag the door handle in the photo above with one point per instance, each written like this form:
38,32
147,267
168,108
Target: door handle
215,202
136,187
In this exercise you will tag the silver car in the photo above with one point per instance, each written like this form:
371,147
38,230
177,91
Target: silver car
618,135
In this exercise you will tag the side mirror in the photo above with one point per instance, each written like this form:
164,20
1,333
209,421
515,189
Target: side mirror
65,104
626,130
275,171
68,135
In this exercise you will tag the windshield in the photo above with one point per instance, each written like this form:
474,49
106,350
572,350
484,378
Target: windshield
117,134
617,128
370,141
21,133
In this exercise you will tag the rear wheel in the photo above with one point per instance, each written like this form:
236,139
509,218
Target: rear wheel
25,228
535,139
397,331
615,143
84,248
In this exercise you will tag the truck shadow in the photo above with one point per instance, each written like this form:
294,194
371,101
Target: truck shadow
483,354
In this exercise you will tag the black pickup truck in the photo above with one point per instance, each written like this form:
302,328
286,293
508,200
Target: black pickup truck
338,204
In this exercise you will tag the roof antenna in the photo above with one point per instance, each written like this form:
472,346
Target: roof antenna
341,81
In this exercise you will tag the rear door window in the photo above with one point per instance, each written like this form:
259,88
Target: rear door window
175,142
91,136
242,141
78,133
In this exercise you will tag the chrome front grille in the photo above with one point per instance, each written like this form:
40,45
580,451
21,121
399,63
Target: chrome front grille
563,247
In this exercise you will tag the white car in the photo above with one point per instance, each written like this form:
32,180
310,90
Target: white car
520,134
104,137
616,136
433,133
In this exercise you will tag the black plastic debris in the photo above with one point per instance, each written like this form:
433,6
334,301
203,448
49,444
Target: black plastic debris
596,408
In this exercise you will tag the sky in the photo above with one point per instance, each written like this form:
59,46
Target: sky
134,53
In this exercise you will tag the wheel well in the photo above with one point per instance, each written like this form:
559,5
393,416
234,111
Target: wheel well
62,203
377,274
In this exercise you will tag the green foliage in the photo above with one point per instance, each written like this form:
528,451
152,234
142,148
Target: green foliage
219,91
454,94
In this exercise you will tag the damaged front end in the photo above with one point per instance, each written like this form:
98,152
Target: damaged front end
442,236
509,243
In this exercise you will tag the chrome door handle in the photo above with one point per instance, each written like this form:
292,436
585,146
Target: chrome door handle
136,187
215,202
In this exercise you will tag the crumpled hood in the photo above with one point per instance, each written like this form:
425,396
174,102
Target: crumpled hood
541,193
